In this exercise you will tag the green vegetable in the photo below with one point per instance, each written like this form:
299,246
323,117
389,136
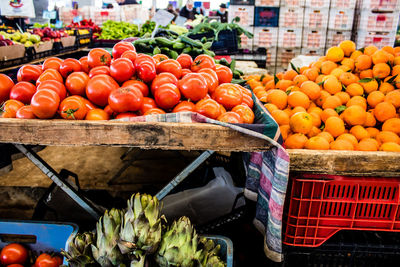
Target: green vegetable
194,43
173,54
156,50
178,45
118,30
161,41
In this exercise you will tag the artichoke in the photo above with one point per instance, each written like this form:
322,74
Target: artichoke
106,251
179,245
80,251
141,228
209,254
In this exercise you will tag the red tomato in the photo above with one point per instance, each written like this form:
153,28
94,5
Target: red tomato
171,66
184,106
131,55
121,47
56,86
141,58
72,108
52,63
122,69
76,83
25,112
13,254
99,70
147,104
125,115
212,83
201,62
97,115
247,100
84,64
245,113
50,74
146,71
15,265
185,60
99,57
99,88
138,84
109,111
45,103
209,108
89,105
46,260
23,91
154,111
209,71
10,108
125,99
70,65
224,74
230,117
228,95
29,73
185,71
161,79
223,110
5,87
160,57
167,96
193,86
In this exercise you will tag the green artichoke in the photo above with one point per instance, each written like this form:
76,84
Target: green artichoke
209,254
80,251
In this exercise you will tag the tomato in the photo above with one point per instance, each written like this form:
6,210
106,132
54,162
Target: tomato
185,71
46,260
121,47
5,87
99,57
167,96
209,108
13,254
125,99
209,71
193,86
70,65
122,69
171,66
125,115
131,55
99,70
245,113
84,64
52,63
138,84
76,83
15,265
29,73
23,91
109,111
45,103
25,112
161,79
223,110
184,106
230,117
201,62
56,86
185,60
146,71
49,74
228,95
99,88
10,108
147,104
212,83
160,57
72,108
142,58
224,74
154,111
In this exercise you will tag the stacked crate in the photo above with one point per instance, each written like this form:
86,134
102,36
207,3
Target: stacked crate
246,15
376,22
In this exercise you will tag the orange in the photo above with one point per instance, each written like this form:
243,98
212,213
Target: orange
397,81
344,97
396,60
396,69
334,54
355,115
366,74
334,126
319,78
332,85
278,98
317,110
299,79
303,69
321,99
386,136
388,49
270,107
356,54
327,67
375,98
297,109
370,85
381,70
347,78
348,62
392,147
279,75
316,64
301,122
370,50
368,144
379,57
372,132
316,119
313,132
285,131
329,112
298,98
392,125
384,111
267,78
311,74
328,137
348,47
341,145
318,143
311,89
331,102
289,75
359,132
357,100
394,98
337,72
363,62
349,137
296,141
281,117
370,120
354,89
292,89
283,84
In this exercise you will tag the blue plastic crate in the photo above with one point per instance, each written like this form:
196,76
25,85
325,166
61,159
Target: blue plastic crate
226,252
266,16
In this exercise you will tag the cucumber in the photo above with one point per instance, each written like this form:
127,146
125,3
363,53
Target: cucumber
207,45
187,50
178,45
141,41
161,41
204,40
208,52
164,50
156,50
173,54
224,62
236,74
194,43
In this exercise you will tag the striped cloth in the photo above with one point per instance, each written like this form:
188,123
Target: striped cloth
267,172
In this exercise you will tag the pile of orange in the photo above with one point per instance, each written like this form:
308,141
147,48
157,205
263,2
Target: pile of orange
347,100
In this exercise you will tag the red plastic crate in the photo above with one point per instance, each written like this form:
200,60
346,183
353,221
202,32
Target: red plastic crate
322,205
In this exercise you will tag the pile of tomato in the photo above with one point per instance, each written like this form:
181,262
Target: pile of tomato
101,86
16,255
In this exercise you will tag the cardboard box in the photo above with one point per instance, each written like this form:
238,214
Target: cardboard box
45,46
12,52
68,41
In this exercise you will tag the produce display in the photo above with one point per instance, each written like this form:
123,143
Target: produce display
139,236
47,34
17,255
102,86
85,24
25,38
347,100
119,30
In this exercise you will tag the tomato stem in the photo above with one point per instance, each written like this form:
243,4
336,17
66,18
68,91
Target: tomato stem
70,112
